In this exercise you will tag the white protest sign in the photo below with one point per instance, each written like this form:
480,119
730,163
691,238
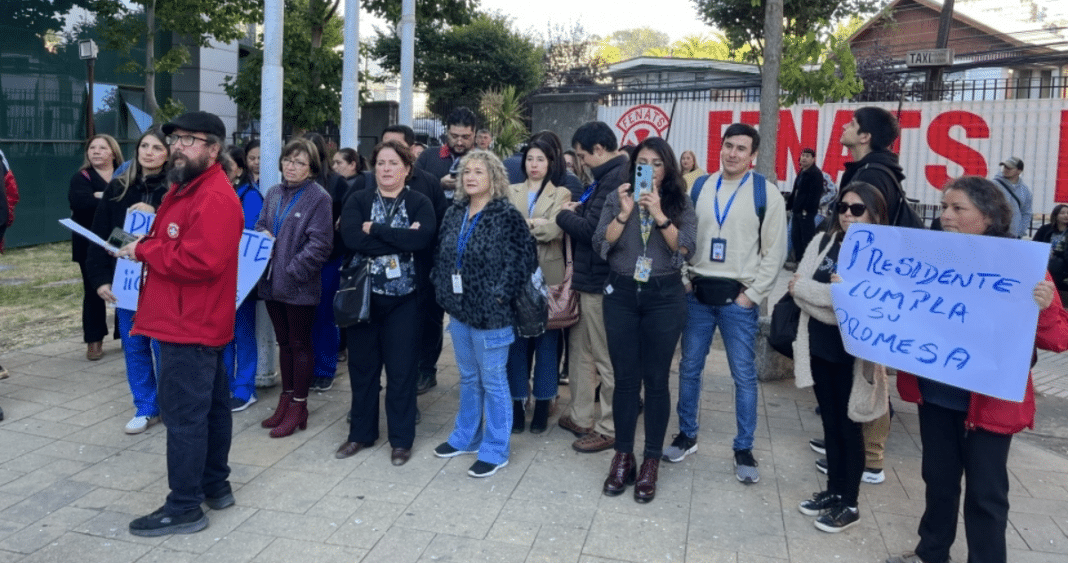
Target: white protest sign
253,254
950,307
89,235
126,285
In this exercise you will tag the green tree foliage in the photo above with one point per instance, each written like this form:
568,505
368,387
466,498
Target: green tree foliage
630,43
460,62
814,65
311,91
571,58
503,110
453,12
125,23
715,47
41,16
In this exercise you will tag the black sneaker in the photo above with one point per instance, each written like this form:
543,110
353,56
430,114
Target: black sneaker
819,502
745,467
426,382
444,449
680,447
485,468
321,384
159,523
821,464
838,518
220,500
818,446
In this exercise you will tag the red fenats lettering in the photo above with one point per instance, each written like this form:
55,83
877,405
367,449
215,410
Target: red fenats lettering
836,155
641,122
939,141
1061,191
789,143
907,119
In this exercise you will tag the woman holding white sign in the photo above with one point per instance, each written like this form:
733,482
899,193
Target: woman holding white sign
821,358
140,188
969,434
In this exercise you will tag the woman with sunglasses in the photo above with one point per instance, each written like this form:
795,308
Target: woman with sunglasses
820,358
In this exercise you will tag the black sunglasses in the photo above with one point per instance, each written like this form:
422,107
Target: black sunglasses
857,209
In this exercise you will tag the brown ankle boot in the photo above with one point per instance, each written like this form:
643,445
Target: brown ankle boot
94,351
279,411
620,474
296,415
645,487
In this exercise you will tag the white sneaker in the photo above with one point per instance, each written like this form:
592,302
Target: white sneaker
139,424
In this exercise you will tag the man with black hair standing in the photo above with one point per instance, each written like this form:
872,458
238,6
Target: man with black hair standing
442,163
187,303
805,201
869,136
595,143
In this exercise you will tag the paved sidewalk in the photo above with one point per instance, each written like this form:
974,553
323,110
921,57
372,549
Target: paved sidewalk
71,480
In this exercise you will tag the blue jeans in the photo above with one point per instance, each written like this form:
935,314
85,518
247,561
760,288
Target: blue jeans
325,335
240,354
482,358
739,329
140,368
546,372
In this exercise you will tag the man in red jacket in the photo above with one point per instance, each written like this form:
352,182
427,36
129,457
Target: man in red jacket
187,303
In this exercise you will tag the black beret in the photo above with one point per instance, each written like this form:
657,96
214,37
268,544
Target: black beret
197,122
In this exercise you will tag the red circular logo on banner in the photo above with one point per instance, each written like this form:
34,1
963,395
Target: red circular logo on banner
640,122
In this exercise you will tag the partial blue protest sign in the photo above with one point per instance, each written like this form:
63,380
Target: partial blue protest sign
950,307
252,258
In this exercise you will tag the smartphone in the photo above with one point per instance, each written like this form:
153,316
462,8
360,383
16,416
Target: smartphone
120,238
643,180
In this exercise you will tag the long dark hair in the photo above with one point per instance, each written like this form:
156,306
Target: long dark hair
554,158
673,186
988,199
554,151
1053,216
237,154
873,199
134,173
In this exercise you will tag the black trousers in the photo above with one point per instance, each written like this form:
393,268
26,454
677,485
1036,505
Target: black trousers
843,437
803,229
950,451
643,323
194,401
385,341
94,311
429,323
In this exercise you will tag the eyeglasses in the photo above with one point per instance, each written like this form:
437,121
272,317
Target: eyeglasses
293,162
186,140
857,209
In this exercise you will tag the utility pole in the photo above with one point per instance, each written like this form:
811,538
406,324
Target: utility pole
407,35
350,77
934,74
769,89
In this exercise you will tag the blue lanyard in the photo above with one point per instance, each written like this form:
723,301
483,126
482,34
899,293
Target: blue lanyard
280,215
720,219
461,241
589,191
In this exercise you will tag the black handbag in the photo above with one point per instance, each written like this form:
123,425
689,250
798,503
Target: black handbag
531,306
785,317
352,302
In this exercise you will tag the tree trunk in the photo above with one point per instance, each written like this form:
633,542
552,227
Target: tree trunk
769,89
151,106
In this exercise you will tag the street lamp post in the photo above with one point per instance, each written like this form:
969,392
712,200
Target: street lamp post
87,51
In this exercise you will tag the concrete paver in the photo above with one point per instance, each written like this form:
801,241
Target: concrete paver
71,480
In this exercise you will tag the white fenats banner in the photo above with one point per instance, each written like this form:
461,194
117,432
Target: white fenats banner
947,306
939,140
252,258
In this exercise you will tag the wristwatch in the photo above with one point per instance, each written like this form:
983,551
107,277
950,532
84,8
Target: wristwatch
666,224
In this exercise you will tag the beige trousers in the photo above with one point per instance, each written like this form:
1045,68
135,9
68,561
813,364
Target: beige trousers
589,365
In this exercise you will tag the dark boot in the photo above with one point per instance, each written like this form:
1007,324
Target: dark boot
427,381
541,416
279,411
519,417
645,487
296,415
620,474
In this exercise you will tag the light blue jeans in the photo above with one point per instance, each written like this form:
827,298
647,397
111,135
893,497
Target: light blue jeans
739,329
482,359
140,366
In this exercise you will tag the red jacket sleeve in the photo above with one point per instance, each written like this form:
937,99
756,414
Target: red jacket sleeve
11,190
1052,332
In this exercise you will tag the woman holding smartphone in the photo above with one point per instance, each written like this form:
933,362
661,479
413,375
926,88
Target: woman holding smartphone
646,239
